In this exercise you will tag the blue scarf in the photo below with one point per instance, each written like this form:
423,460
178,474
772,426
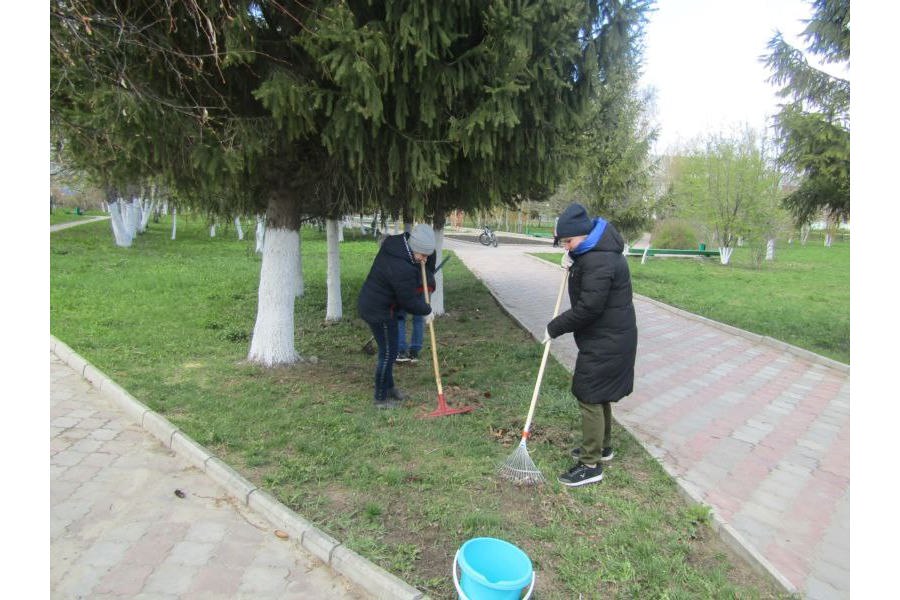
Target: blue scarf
593,237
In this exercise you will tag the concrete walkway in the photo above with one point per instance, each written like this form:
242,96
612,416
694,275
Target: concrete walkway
59,226
118,529
755,429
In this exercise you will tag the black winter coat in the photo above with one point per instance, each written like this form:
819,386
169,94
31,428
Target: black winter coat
602,320
395,282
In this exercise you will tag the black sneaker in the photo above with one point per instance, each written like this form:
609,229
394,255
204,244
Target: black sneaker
389,403
605,455
402,357
413,356
396,394
581,474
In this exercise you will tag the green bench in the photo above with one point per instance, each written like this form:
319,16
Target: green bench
671,252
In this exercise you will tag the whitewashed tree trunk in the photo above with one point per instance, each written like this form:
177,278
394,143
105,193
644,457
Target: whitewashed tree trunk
146,211
260,233
299,288
237,225
334,310
437,298
725,254
740,242
135,214
804,234
770,249
341,224
120,232
212,230
828,239
273,334
174,221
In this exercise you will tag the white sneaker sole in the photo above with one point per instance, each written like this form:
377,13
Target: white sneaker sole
594,479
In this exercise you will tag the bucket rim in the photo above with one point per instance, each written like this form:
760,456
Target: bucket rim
504,584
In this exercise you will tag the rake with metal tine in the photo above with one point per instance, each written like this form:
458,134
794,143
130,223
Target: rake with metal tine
519,467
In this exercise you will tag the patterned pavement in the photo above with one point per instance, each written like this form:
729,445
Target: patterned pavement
755,429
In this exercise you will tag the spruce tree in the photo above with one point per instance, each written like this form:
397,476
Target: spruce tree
813,126
309,110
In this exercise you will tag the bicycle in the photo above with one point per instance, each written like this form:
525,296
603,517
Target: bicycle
487,237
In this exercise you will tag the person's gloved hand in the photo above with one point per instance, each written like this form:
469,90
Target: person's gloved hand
566,261
429,317
546,337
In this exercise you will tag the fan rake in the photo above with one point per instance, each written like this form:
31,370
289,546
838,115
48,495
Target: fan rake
519,467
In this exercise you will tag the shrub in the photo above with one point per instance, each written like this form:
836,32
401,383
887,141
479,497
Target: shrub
675,234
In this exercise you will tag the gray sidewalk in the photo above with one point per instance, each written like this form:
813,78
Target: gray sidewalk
755,429
118,529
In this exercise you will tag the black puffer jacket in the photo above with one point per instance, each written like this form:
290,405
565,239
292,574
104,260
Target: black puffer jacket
395,282
602,320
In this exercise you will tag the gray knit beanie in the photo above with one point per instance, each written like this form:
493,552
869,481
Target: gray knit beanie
421,239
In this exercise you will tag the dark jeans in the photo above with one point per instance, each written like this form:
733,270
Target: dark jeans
418,332
385,334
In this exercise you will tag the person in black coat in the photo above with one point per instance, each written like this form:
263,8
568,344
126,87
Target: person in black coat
394,283
602,320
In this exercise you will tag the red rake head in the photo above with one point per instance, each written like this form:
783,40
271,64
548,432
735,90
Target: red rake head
443,410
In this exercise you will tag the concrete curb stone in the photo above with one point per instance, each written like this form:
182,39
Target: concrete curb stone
233,482
187,448
367,575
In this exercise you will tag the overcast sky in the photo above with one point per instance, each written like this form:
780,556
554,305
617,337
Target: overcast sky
702,57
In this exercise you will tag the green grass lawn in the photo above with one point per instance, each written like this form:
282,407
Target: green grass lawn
170,321
66,215
802,297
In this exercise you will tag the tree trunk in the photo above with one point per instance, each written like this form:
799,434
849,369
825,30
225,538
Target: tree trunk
174,220
828,239
240,230
260,233
135,214
212,230
300,289
725,254
770,249
273,334
437,298
804,234
120,232
334,310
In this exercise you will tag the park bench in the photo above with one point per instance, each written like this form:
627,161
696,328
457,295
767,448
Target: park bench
645,253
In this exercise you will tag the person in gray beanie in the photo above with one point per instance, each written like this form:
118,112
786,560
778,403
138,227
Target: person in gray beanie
394,283
602,320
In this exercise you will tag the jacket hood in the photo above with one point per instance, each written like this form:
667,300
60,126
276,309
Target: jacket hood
397,246
611,240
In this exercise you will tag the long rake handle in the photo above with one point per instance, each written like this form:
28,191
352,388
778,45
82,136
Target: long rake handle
434,360
537,385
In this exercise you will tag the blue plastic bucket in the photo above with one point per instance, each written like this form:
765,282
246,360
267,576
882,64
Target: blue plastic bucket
492,569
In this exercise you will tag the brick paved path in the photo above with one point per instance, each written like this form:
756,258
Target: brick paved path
760,434
117,529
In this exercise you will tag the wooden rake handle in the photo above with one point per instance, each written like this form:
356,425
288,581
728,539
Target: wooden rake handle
537,385
434,359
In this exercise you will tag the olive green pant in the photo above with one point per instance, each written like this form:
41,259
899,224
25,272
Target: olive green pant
596,430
